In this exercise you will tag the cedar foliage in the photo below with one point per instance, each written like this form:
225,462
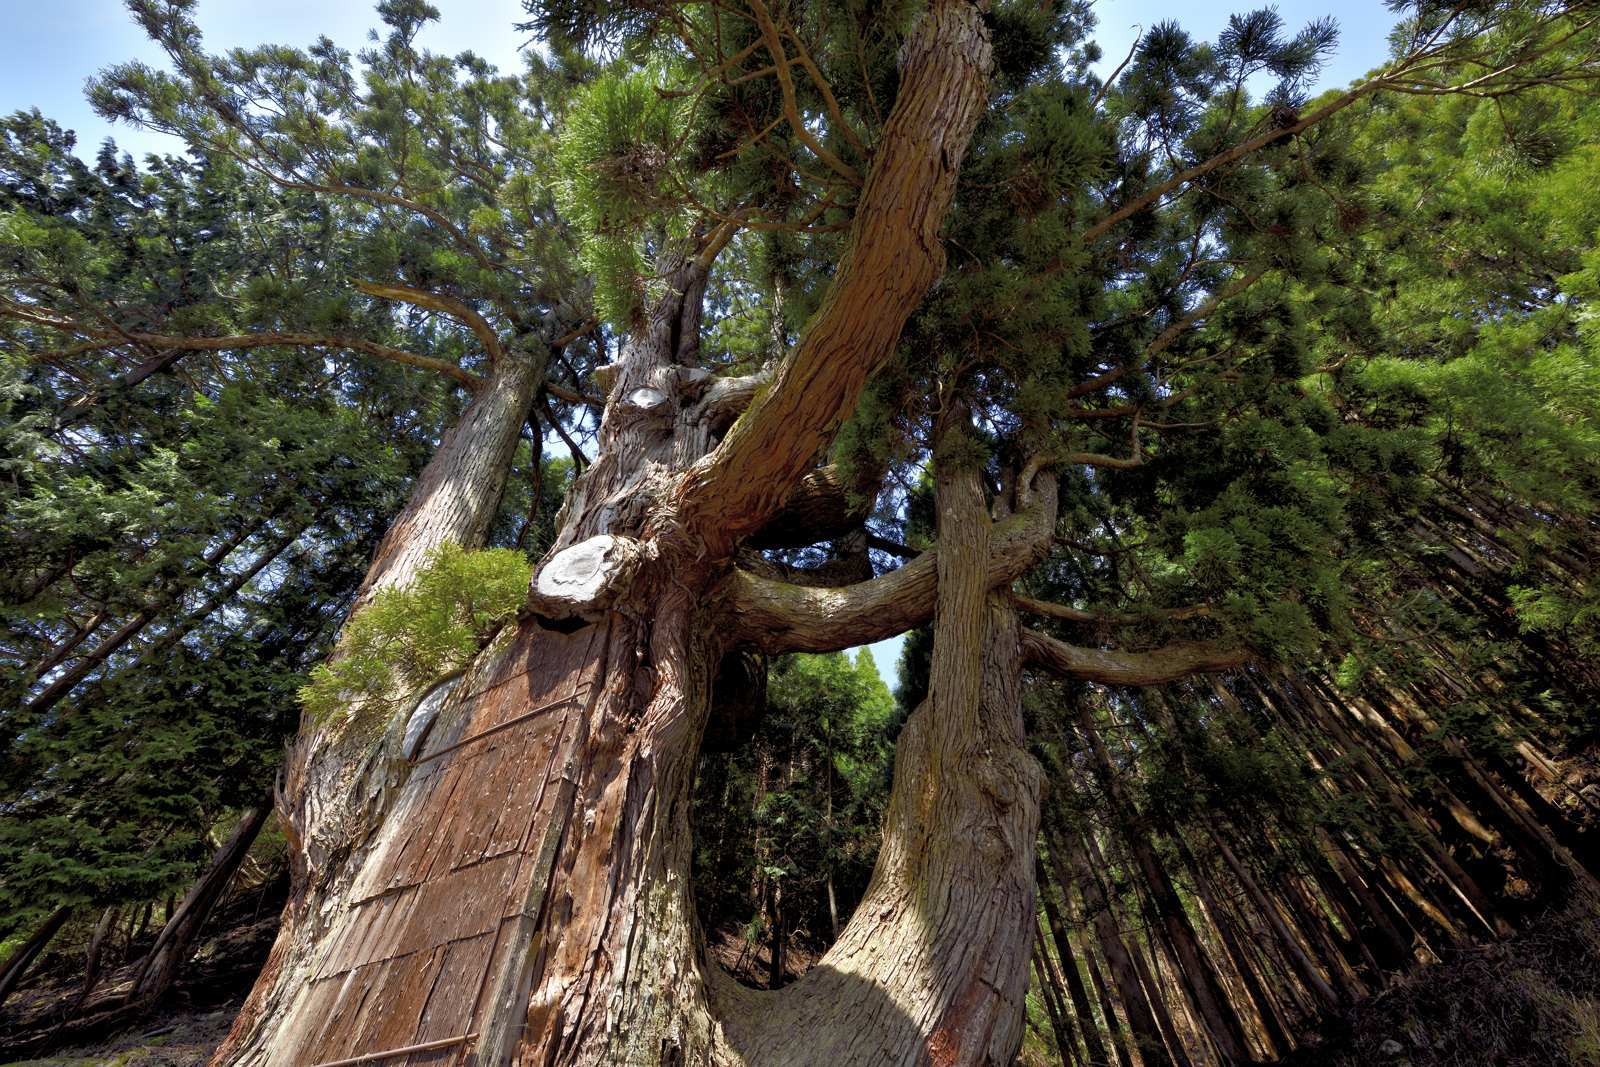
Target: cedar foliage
410,637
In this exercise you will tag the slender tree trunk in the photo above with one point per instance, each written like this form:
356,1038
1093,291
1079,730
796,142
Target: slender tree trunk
1275,1039
1069,965
1477,907
136,929
827,821
1392,945
17,964
1143,1015
1291,946
1312,919
1060,1024
94,957
176,941
1351,914
1205,988
775,934
1161,1003
1108,1009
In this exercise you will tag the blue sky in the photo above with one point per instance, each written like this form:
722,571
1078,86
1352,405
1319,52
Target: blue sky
51,47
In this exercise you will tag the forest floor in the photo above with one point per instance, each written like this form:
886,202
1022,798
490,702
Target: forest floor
184,1039
182,1032
751,964
1531,1000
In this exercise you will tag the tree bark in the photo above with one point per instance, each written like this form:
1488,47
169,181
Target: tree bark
1141,1012
458,492
521,889
94,957
176,941
1201,981
1095,1047
17,964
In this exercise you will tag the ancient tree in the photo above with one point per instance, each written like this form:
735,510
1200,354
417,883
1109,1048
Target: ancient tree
984,281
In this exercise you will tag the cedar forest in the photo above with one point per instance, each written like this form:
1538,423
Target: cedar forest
441,510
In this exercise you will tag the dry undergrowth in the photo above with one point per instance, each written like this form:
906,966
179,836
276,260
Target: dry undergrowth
1530,1001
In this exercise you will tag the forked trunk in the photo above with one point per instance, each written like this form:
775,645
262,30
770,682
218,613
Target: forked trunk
527,900
502,876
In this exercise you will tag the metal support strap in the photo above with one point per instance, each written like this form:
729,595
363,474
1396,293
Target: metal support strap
387,1054
514,720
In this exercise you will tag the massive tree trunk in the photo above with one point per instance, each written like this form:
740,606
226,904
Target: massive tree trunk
529,888
507,879
932,968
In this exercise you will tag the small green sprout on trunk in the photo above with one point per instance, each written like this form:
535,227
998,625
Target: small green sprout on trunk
415,634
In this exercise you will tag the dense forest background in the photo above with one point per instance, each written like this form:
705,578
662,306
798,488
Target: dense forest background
1372,453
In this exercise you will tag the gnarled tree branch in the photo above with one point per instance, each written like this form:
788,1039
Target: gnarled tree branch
1169,663
727,398
894,256
1051,610
170,346
447,305
821,506
777,616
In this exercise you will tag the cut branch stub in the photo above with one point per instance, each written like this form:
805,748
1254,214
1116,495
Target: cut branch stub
646,398
585,579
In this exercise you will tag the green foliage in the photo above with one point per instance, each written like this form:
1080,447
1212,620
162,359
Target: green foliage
414,634
797,804
619,185
175,552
